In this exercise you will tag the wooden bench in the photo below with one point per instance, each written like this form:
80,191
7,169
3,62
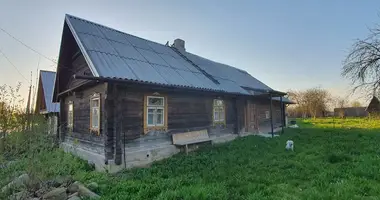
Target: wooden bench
193,137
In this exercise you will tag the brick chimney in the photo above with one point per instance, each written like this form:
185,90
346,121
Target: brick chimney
179,44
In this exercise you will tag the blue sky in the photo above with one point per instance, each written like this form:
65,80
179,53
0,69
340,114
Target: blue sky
285,44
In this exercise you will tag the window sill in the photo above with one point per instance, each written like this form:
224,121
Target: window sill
94,131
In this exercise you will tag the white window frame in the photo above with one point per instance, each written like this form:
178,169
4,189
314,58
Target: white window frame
70,118
97,98
155,107
214,109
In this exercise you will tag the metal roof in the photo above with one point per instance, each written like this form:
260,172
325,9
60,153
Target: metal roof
48,78
223,71
284,100
114,54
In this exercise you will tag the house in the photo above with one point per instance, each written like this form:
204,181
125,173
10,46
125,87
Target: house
350,112
122,98
373,107
44,103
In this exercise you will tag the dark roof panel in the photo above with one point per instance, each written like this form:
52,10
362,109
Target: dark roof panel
111,53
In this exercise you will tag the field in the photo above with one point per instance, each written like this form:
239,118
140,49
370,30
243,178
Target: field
328,163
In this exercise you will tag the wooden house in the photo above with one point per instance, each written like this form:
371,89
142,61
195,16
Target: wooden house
373,107
123,97
44,103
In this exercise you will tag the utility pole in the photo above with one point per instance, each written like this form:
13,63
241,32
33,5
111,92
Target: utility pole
28,105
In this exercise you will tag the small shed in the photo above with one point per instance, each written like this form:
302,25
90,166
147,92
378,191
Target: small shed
373,107
44,103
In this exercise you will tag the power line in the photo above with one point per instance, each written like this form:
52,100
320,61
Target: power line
14,66
27,46
32,49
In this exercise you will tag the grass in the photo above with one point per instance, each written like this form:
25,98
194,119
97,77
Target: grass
328,163
363,123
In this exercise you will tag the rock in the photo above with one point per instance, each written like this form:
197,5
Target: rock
22,180
74,197
65,180
85,192
93,186
73,188
19,195
56,194
74,194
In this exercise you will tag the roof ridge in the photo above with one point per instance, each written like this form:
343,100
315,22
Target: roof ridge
241,70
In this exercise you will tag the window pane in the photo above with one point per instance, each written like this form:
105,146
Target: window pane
155,101
216,116
71,107
221,116
95,103
95,118
151,110
159,117
150,119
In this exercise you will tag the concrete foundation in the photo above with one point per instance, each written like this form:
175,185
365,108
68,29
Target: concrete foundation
85,154
138,153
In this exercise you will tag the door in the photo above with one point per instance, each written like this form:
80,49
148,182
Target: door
252,124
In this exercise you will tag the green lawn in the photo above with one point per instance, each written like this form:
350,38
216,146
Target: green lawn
328,163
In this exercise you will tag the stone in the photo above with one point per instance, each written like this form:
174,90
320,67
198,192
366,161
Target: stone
93,186
74,197
22,180
73,188
56,194
85,192
64,180
19,195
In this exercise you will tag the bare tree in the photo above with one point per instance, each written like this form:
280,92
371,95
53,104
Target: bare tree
310,103
362,64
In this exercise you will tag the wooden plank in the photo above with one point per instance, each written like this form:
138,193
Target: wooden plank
190,137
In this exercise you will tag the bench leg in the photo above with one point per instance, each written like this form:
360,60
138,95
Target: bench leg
187,150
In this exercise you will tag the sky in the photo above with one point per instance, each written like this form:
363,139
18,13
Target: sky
288,45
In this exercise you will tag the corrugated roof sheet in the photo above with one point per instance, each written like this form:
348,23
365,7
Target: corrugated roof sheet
113,54
48,78
219,70
284,99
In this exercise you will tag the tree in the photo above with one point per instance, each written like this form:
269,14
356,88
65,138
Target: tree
310,103
362,64
356,104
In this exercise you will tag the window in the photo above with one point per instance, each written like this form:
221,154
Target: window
219,111
267,116
70,116
95,113
155,111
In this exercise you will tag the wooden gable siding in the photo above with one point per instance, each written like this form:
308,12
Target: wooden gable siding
80,67
40,102
72,63
81,110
